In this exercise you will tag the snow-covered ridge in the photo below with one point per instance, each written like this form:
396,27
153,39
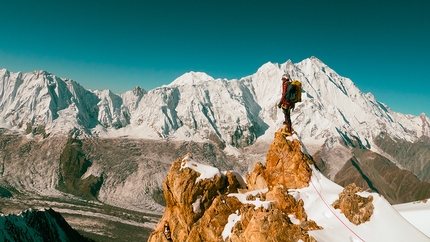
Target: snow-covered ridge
195,106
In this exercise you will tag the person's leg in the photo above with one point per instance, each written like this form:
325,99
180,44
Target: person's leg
289,119
287,122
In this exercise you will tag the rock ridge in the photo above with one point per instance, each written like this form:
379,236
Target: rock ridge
204,204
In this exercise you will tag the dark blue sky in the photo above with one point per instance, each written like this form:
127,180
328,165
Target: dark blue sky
117,45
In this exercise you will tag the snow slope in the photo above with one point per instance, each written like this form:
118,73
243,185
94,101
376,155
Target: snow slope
416,213
404,222
386,224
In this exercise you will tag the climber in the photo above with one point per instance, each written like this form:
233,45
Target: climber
285,105
167,232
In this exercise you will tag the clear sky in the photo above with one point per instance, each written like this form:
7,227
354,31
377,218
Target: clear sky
381,45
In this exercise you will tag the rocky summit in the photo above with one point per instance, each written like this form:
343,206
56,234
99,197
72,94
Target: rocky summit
204,204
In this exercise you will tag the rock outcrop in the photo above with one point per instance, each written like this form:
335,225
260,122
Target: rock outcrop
204,204
286,164
73,166
356,208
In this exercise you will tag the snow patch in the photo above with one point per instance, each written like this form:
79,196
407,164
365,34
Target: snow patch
206,172
386,224
196,205
257,203
415,213
293,219
232,220
5,124
230,150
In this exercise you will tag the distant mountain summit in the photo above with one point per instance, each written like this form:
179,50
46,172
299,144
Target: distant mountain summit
191,78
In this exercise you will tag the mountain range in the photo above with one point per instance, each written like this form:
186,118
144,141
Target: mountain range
59,138
198,107
231,113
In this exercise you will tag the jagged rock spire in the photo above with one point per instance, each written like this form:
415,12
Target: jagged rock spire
203,204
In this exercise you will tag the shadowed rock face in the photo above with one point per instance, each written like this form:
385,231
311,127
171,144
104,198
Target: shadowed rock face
218,201
4,193
73,166
372,171
412,156
33,225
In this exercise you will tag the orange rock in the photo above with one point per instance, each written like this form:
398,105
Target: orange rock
356,208
256,179
286,164
199,211
187,201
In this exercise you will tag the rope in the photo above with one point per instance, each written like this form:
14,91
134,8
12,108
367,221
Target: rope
328,206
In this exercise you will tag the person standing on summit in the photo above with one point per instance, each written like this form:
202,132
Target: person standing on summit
285,105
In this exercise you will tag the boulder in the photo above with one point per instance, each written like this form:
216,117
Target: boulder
356,208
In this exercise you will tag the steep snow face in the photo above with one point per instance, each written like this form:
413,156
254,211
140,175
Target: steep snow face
112,112
386,224
198,107
40,99
218,110
332,106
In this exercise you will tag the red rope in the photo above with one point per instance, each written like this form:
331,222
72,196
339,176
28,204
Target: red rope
328,206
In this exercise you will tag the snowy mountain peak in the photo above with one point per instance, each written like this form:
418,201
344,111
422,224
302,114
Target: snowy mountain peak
191,78
3,71
268,66
138,91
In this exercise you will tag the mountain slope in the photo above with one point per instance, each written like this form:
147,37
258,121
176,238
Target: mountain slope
34,225
42,101
197,107
237,116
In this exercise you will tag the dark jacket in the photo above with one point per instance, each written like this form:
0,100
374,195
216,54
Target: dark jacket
283,100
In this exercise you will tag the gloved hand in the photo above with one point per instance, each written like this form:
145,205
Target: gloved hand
279,105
